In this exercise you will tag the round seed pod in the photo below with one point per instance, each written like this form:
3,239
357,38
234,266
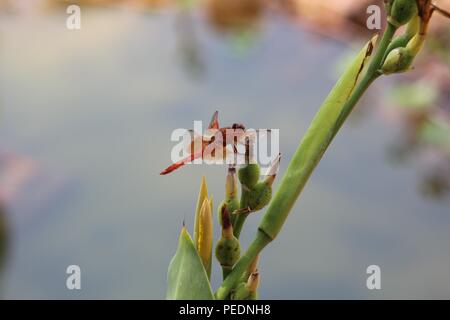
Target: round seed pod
259,196
249,175
402,11
228,251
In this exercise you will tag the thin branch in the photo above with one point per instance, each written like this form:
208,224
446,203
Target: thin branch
441,11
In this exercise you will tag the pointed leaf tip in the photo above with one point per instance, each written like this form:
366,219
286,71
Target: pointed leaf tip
203,194
187,278
204,242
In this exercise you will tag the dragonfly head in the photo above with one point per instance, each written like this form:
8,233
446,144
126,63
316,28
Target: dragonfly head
238,126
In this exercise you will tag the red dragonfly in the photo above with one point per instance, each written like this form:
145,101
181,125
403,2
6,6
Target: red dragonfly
215,143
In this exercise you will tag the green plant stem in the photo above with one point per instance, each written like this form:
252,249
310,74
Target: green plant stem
377,59
237,228
318,137
241,217
259,243
239,223
301,166
226,271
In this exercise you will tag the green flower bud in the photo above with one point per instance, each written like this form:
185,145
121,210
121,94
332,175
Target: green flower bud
228,248
228,251
398,60
412,29
401,59
249,175
402,11
259,196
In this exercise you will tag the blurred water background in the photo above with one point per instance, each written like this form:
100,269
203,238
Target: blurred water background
85,125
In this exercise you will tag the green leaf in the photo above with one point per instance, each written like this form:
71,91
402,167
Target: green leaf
187,279
314,143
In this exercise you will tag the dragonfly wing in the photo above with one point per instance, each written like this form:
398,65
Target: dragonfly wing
233,155
181,163
209,134
214,153
194,144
